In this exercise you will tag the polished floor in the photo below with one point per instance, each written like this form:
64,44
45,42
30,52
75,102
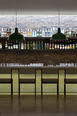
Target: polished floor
47,106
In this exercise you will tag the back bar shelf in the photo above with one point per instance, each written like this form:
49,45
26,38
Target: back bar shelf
38,43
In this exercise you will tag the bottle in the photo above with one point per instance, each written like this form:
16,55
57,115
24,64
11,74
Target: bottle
16,45
27,44
6,46
22,46
30,32
11,45
43,33
53,46
42,45
76,44
39,45
50,45
34,45
33,33
48,33
45,45
70,47
73,44
31,46
40,34
0,45
57,44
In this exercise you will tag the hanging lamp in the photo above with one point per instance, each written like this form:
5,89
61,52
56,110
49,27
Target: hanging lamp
16,35
59,35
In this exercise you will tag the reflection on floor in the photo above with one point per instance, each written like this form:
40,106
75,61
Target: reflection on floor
47,106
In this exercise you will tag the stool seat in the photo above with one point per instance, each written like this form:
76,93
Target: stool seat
27,80
49,80
6,80
70,80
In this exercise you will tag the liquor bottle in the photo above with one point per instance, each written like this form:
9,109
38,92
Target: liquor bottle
31,46
57,44
0,45
51,32
16,45
39,45
40,33
27,44
33,33
50,45
6,46
45,45
24,44
43,33
65,44
34,45
53,46
48,33
42,45
30,32
19,45
73,44
11,45
70,47
76,44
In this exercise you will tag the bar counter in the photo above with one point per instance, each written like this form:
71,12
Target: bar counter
45,78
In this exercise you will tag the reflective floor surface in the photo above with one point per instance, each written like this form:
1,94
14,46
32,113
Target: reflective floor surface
47,106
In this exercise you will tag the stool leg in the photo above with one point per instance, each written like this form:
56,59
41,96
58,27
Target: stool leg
11,88
57,89
64,88
35,89
19,88
41,90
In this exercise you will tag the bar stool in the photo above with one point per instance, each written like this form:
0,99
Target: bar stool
68,81
27,81
8,81
49,81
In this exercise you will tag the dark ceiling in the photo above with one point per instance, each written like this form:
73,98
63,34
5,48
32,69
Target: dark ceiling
39,6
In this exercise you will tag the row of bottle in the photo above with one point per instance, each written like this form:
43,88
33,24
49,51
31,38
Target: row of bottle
36,45
38,32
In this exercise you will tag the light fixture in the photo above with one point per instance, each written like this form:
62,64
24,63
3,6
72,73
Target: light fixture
59,35
16,35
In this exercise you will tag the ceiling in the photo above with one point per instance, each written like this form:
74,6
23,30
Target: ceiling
39,6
